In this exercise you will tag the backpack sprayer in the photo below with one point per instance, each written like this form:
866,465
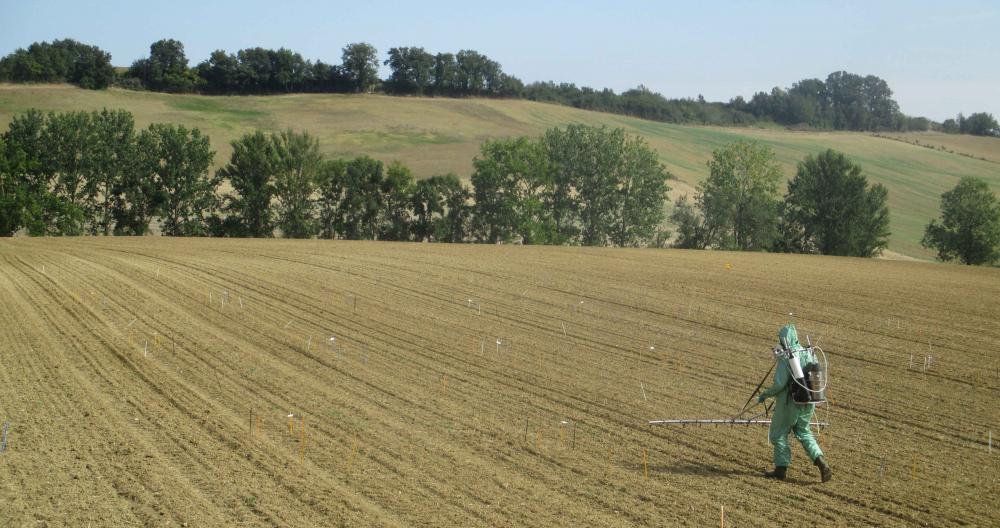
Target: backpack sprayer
808,382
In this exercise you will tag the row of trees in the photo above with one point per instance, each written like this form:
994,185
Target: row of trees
844,101
640,102
829,207
93,173
259,71
60,61
978,124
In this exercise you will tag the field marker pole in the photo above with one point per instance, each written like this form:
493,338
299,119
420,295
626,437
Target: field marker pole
145,349
722,516
309,345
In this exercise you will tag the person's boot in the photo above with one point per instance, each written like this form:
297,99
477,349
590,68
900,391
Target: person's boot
825,473
778,473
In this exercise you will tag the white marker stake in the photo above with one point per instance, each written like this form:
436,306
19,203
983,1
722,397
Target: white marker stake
643,391
498,346
309,346
241,303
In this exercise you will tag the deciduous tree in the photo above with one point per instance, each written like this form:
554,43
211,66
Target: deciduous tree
969,228
739,199
831,209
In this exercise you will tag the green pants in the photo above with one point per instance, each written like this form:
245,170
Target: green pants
792,418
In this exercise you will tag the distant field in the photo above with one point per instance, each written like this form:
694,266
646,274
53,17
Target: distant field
148,382
434,136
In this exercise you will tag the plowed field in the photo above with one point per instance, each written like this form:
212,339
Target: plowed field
149,382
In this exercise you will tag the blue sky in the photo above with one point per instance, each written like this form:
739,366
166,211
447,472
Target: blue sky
940,58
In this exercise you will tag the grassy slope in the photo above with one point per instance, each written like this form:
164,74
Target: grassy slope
443,135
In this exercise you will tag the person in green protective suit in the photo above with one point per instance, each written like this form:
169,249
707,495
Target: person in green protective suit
791,417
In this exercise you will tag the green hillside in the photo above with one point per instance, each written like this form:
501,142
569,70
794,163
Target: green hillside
434,136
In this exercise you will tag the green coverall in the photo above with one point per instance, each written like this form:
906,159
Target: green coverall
790,417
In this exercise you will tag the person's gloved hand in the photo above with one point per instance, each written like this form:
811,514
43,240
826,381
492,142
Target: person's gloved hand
761,398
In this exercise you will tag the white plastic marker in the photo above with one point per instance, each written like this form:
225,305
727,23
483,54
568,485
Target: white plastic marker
498,345
309,346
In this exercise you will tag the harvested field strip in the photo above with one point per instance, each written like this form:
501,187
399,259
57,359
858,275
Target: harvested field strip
132,367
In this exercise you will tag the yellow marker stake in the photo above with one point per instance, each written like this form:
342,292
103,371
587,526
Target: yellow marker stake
350,459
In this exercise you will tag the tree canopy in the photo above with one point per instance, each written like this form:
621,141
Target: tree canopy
831,209
59,61
969,227
739,199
